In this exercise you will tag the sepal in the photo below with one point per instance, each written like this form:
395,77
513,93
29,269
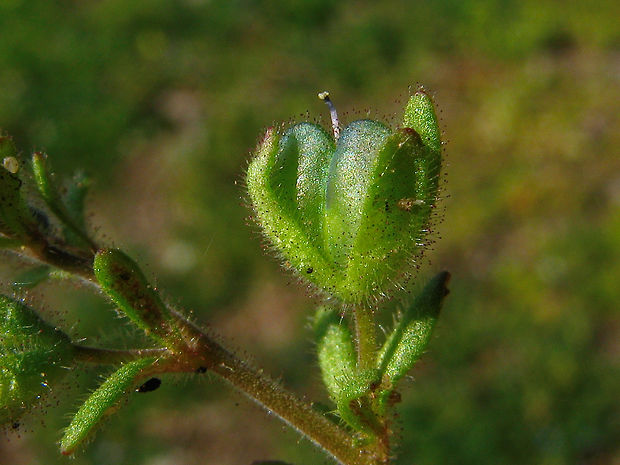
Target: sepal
411,335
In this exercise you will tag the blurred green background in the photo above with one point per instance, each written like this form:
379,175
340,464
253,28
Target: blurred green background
162,101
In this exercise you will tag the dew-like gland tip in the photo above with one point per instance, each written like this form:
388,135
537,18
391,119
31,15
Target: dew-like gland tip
11,164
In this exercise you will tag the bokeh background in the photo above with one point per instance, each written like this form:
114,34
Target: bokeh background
161,102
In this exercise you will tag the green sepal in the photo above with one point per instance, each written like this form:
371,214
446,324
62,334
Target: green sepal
350,176
349,215
33,357
411,335
51,195
396,206
292,218
123,281
421,117
102,402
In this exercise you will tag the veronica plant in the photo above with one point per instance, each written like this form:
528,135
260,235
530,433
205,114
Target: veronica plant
349,211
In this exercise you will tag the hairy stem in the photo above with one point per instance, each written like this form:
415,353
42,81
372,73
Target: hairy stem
365,336
336,442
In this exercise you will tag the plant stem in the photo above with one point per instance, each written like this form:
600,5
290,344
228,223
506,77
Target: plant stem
365,336
333,440
366,340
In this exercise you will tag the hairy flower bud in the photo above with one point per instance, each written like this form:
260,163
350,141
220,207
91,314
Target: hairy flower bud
349,212
121,278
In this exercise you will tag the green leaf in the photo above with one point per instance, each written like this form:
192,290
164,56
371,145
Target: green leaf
102,402
349,215
33,357
412,333
121,278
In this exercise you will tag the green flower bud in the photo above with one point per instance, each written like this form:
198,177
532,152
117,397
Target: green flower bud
33,356
349,212
121,278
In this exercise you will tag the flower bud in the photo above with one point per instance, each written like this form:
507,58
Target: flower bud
121,278
349,213
33,355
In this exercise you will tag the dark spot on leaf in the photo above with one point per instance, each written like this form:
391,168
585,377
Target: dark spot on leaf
310,270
